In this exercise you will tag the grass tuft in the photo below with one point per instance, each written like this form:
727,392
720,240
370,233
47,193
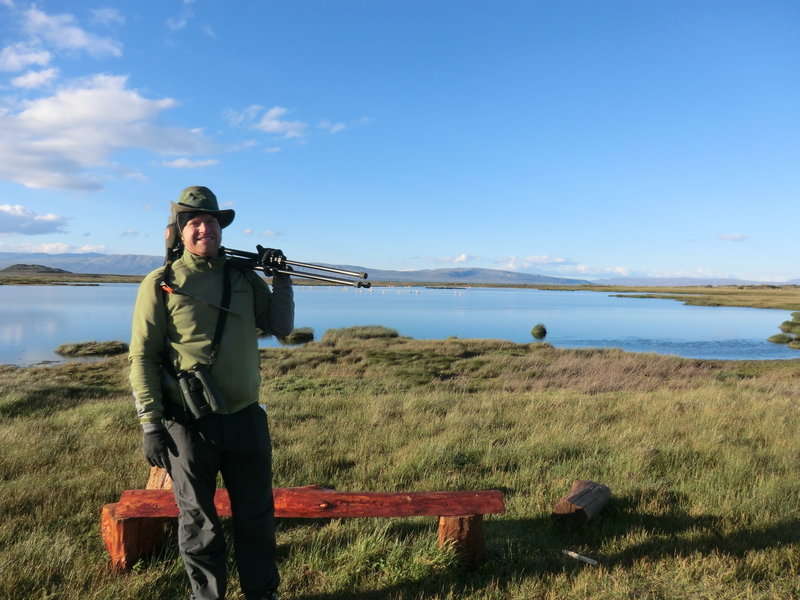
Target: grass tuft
301,335
92,349
359,332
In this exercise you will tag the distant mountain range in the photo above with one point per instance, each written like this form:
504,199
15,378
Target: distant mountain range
452,276
102,264
139,264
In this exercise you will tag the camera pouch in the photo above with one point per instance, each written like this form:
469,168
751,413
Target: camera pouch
199,393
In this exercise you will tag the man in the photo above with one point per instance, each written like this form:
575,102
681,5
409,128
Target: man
195,377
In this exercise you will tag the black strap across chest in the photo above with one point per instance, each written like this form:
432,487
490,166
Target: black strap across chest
169,288
223,314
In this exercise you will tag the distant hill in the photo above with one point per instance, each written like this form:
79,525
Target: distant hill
102,264
135,264
31,269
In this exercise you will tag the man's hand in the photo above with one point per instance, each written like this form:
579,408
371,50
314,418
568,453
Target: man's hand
271,258
157,444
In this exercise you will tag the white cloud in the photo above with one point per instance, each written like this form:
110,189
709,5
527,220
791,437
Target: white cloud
332,127
460,259
526,262
107,16
732,237
128,173
619,271
17,57
66,140
241,117
590,271
335,127
52,248
62,32
554,265
91,248
272,122
97,101
182,20
15,218
35,79
129,233
186,163
698,273
177,23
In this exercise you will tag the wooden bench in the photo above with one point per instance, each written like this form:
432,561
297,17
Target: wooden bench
132,527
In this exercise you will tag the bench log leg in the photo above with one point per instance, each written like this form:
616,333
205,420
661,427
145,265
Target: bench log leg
466,535
158,479
129,539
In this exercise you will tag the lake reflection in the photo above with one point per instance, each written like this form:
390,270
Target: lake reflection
34,320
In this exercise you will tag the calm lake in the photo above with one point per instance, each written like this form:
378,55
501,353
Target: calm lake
34,320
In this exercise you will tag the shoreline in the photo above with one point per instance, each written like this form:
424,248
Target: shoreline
781,297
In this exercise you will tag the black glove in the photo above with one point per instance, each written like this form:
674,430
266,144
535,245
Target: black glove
271,259
157,444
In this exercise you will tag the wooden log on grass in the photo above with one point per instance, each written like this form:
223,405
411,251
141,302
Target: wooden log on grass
584,500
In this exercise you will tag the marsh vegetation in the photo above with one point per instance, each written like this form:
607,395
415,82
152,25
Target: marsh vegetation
92,348
701,457
790,332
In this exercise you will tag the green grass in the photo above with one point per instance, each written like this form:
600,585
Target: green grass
47,278
785,297
701,457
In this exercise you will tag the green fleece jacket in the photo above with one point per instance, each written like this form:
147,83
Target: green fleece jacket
183,330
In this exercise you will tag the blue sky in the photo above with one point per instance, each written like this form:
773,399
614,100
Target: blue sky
572,138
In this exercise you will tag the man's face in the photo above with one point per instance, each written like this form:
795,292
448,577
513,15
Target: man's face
202,235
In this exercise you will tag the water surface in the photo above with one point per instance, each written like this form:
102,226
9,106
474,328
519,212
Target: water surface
34,320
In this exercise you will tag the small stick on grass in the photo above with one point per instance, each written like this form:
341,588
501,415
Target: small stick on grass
576,556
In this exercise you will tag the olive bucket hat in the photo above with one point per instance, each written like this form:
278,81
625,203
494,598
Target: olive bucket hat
193,200
199,199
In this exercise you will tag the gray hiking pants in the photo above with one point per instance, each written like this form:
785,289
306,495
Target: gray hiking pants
239,447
